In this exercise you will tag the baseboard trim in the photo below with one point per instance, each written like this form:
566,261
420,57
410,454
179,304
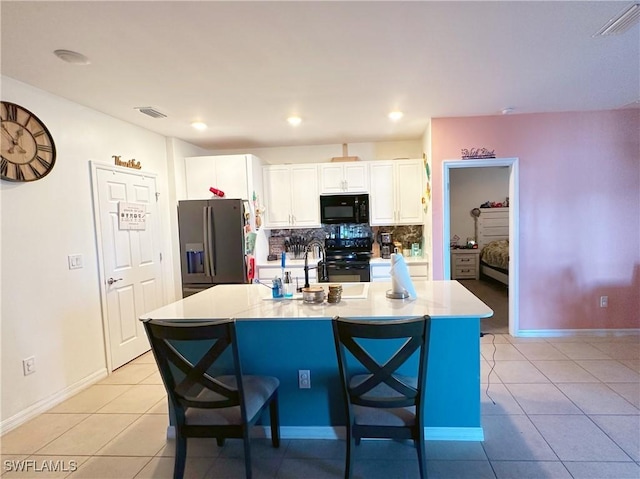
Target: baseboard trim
338,432
47,403
558,333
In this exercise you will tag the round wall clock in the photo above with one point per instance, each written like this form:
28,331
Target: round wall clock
28,151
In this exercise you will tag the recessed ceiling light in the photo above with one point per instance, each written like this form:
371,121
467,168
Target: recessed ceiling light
395,115
294,120
74,58
198,125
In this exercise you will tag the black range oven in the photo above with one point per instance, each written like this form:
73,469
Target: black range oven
347,260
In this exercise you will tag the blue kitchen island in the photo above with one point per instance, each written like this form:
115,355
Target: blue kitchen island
279,337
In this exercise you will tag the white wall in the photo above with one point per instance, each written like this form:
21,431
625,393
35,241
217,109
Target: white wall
470,187
322,153
49,311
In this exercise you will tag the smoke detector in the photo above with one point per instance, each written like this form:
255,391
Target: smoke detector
150,111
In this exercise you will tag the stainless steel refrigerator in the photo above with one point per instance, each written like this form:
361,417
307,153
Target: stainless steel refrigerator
212,243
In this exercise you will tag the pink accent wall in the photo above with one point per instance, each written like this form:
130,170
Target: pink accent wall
579,210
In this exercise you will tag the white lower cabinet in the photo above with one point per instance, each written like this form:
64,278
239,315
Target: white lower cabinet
292,198
382,271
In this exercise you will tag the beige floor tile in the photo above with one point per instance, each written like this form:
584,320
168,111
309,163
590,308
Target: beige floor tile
10,462
91,399
130,374
580,351
542,399
496,338
145,437
603,470
196,447
631,364
610,371
543,351
530,470
624,430
146,358
139,399
519,372
577,438
629,391
161,407
500,352
488,368
514,438
153,379
500,395
618,350
38,432
596,398
49,467
110,468
564,372
162,468
90,435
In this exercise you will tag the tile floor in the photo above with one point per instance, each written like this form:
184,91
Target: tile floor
564,408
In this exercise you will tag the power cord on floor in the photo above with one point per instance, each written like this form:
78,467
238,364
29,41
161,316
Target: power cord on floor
493,363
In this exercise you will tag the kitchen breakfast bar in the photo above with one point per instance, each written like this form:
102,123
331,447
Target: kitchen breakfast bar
279,337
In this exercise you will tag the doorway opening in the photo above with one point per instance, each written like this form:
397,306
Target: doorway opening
513,267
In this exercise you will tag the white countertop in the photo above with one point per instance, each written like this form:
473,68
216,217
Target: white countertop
439,299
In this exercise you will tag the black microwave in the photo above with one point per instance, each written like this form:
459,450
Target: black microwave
335,209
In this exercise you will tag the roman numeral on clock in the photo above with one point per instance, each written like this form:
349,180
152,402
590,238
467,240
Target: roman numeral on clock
35,171
43,162
19,173
12,112
4,167
46,148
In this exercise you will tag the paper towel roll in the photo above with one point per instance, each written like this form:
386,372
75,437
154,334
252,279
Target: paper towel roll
400,279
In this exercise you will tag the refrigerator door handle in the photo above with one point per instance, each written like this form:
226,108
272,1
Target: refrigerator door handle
209,253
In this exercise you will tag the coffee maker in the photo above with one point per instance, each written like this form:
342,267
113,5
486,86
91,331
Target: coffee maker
386,245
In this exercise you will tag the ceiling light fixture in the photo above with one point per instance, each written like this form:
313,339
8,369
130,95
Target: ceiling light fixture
294,120
74,58
620,23
198,125
508,110
395,115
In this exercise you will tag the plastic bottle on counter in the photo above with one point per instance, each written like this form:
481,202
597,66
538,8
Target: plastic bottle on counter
288,285
276,289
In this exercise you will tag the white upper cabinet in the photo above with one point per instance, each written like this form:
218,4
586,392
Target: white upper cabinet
347,177
396,192
292,198
227,173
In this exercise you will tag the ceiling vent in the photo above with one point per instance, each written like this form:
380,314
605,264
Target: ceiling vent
620,23
150,111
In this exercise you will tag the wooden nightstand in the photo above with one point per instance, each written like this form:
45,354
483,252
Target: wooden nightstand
465,264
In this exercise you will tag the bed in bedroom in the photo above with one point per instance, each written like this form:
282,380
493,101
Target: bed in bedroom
493,241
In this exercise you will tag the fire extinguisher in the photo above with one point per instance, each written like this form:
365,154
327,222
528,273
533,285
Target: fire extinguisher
216,192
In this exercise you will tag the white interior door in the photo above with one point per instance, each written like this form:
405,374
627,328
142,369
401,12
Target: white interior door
131,270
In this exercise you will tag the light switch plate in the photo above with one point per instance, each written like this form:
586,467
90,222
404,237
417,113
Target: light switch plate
75,261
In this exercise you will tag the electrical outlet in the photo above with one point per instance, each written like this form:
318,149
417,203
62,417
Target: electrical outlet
604,301
29,365
304,379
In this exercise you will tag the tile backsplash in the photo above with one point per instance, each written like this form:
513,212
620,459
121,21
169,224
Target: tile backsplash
406,235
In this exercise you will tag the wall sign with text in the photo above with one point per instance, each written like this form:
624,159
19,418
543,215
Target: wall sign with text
132,216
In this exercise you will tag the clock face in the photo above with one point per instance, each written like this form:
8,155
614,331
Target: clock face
28,151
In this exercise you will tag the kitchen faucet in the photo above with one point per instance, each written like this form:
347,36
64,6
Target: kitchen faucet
323,275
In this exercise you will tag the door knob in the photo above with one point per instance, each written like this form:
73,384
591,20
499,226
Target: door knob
110,281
